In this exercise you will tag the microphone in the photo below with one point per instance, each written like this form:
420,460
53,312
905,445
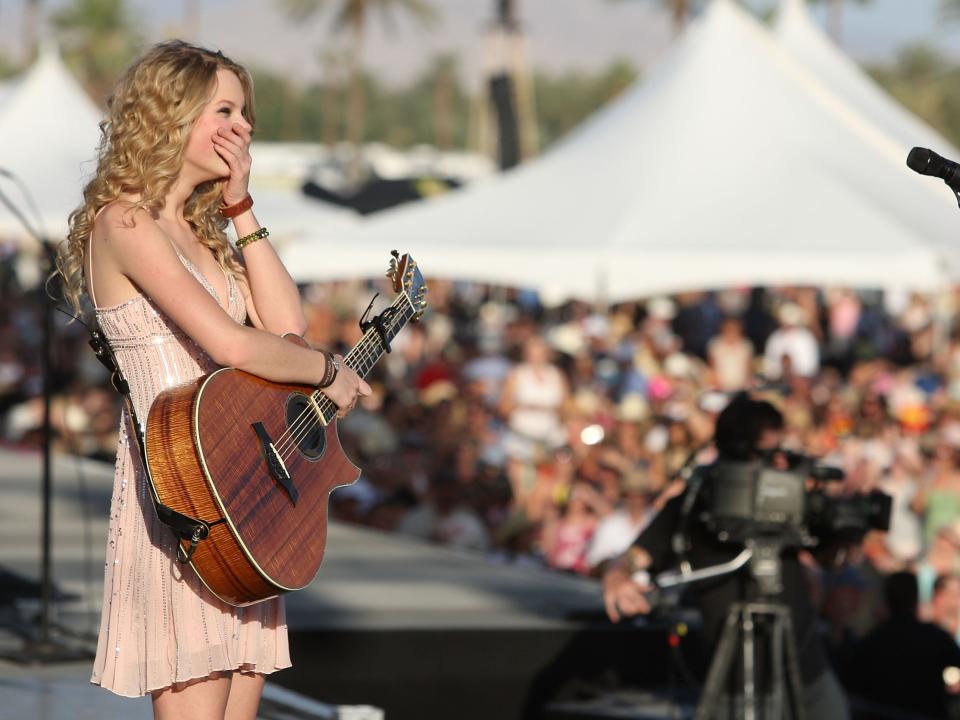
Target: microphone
927,162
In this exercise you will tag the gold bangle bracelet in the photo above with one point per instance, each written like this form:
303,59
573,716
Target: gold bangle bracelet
252,238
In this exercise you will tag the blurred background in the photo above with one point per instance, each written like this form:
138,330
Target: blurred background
627,211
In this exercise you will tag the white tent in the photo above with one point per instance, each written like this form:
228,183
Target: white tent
48,139
730,165
800,35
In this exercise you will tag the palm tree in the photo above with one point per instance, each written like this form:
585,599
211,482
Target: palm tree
835,17
99,39
353,16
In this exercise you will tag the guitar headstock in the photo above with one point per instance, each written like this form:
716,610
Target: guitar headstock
407,279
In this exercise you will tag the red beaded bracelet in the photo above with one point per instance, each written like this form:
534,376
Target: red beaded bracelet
231,211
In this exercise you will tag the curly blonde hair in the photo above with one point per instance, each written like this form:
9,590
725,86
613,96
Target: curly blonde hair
143,136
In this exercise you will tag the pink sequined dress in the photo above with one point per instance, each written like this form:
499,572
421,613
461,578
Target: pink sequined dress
160,625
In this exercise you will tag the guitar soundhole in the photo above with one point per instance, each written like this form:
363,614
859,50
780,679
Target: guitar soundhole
302,422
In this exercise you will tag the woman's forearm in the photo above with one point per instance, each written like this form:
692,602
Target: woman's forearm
266,355
275,295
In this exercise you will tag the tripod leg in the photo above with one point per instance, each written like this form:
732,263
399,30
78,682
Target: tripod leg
749,666
793,669
709,705
776,660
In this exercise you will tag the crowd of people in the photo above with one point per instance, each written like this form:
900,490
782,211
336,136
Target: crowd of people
550,437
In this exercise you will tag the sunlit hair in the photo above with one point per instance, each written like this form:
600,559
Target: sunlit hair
143,138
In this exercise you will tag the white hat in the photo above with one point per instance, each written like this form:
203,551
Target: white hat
662,308
792,314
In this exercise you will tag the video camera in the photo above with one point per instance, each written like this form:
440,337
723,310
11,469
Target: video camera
754,504
744,500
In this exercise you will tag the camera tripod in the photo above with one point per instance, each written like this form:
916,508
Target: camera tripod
747,625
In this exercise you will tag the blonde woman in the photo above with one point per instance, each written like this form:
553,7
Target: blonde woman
147,248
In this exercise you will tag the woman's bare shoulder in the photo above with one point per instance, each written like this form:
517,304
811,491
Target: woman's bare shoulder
127,231
120,215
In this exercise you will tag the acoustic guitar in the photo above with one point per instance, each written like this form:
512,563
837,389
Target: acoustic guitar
255,461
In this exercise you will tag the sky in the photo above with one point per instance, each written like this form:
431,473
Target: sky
561,35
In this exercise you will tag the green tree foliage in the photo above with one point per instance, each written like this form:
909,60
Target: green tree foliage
414,114
353,17
950,9
565,101
99,39
7,67
278,105
927,83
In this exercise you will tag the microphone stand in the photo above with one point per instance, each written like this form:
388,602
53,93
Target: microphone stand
43,648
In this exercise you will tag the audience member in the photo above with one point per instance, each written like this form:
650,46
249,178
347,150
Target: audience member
900,664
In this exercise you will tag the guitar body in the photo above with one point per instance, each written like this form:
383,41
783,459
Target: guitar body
207,459
257,460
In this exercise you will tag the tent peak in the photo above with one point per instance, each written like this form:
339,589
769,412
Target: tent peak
795,13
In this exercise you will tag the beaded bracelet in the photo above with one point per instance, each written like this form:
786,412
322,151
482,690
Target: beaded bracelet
252,238
330,370
231,211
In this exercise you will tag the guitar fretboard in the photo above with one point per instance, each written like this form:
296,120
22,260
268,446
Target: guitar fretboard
366,353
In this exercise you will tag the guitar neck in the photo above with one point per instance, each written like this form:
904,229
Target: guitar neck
366,353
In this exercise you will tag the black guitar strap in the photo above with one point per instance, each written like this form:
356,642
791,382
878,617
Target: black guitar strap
184,527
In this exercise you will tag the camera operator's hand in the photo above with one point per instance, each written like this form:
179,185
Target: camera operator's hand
622,595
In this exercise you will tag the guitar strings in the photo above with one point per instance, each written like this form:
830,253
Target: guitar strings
307,421
293,431
324,404
297,430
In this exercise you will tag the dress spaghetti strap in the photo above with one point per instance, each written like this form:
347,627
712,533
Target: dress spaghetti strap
89,259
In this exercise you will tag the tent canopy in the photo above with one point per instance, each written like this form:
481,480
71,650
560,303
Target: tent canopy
729,165
799,34
48,139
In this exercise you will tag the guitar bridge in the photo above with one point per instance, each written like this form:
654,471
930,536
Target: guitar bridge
278,470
